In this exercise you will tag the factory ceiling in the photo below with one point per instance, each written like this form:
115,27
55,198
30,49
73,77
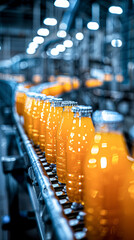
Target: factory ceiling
20,20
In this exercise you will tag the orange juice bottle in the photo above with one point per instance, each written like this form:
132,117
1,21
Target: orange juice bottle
79,140
52,123
62,136
35,117
105,173
20,101
27,112
29,115
43,118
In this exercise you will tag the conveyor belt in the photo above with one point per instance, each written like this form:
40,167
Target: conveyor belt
49,196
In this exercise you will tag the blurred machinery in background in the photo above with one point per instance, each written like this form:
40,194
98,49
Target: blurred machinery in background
80,50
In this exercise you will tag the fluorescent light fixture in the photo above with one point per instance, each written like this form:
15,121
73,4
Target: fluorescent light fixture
50,21
54,52
79,36
61,34
43,32
68,43
116,43
38,40
93,26
115,10
60,47
33,45
61,3
30,50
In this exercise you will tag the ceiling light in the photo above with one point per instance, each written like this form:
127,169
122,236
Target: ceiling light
43,32
93,26
61,3
54,52
63,26
79,36
38,40
68,43
115,10
60,48
50,21
116,43
30,50
33,45
61,34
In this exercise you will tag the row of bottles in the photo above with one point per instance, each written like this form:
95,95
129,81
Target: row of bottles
91,161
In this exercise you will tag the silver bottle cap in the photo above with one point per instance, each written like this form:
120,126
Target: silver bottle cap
107,116
69,103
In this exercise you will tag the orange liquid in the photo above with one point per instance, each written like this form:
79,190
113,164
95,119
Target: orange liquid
105,171
20,102
29,118
62,136
52,123
27,102
43,118
36,120
81,133
56,89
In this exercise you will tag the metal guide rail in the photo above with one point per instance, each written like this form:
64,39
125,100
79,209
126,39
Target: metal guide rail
56,216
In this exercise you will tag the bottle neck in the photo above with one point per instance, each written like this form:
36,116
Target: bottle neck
56,104
67,109
108,127
82,114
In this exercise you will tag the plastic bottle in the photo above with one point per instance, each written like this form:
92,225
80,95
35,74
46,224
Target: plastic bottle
106,178
62,136
52,123
79,140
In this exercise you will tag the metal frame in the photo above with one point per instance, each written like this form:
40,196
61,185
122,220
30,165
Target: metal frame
59,222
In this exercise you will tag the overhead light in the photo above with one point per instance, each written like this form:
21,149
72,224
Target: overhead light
93,26
68,43
30,50
33,45
60,48
79,36
115,10
61,34
0,47
61,3
116,43
63,26
54,52
43,32
50,21
38,40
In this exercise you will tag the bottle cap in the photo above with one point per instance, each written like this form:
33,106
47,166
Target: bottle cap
82,109
107,116
31,94
69,103
22,90
57,102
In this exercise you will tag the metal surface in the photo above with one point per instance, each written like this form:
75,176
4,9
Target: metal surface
35,204
59,222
